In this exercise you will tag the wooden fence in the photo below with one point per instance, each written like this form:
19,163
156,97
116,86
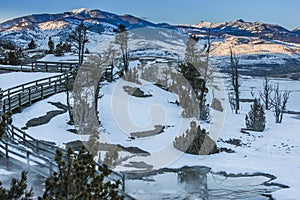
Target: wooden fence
18,96
43,66
40,164
48,150
47,66
36,152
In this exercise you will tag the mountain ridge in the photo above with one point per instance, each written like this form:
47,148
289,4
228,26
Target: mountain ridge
39,26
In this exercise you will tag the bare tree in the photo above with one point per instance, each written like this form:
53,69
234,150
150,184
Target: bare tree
122,40
279,103
234,79
265,96
79,39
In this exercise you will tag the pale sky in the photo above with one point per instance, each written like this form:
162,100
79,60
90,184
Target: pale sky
284,13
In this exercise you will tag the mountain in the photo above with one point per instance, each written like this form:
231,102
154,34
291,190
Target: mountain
247,29
22,30
246,37
297,30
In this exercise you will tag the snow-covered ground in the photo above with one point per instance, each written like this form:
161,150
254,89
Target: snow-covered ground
68,57
9,80
55,130
275,151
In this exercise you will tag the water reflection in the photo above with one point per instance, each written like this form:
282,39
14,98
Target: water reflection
197,183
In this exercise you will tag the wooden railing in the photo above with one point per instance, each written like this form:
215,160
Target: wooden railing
43,66
47,66
18,96
48,150
42,165
35,151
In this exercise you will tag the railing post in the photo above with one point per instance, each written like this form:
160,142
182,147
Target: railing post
20,100
6,150
12,132
55,86
24,139
9,104
32,66
42,91
29,96
37,146
4,107
27,157
123,182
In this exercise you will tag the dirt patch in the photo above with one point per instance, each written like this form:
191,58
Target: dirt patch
136,92
44,119
38,121
139,165
235,142
105,147
157,130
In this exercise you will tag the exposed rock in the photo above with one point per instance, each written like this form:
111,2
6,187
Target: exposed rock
158,129
136,92
44,119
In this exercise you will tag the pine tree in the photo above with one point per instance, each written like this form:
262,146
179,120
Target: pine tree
6,120
77,178
255,119
195,141
50,45
32,44
12,58
58,51
17,190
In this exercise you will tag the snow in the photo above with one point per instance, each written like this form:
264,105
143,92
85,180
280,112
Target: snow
56,129
50,25
273,151
9,80
68,57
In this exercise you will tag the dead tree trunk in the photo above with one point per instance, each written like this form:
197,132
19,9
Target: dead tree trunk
234,79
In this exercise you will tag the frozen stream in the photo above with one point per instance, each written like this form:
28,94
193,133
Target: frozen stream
198,183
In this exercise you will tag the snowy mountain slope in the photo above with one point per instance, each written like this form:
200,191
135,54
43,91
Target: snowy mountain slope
41,26
262,41
250,29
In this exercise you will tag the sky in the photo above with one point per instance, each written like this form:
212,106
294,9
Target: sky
284,13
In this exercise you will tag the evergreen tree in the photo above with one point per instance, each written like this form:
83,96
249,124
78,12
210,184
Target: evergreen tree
58,51
87,51
6,120
195,141
50,45
32,44
12,58
255,119
17,190
77,179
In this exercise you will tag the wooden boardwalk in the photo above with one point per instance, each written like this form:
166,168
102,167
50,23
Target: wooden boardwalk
43,66
18,145
16,97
